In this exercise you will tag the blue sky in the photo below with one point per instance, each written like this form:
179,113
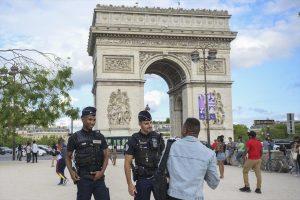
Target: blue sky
265,56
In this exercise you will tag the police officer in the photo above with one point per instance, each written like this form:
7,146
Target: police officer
91,159
145,147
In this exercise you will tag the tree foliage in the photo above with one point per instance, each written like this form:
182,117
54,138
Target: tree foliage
33,88
240,130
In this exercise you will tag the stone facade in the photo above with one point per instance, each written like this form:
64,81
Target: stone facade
128,42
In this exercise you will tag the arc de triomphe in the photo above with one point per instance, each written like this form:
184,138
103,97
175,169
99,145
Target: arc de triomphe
128,42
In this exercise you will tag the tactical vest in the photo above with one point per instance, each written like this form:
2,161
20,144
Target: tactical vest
148,150
89,153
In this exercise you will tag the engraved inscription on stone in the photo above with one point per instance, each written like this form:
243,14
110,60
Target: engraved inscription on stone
213,67
138,42
118,110
118,64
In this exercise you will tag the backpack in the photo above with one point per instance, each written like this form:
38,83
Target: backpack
160,183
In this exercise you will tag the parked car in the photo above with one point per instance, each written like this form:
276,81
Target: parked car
42,152
45,148
2,152
7,150
283,143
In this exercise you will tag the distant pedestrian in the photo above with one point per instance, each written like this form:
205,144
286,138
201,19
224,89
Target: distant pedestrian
254,151
28,152
61,163
230,148
54,154
295,155
220,151
214,145
240,151
20,151
114,155
34,151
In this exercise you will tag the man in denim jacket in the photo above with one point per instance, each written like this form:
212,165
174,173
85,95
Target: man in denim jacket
189,164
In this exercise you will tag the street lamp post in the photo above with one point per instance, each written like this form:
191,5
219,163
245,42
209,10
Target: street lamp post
195,58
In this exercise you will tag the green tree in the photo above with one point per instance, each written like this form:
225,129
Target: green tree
168,120
240,130
33,89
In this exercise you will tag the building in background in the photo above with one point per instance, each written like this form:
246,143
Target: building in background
38,132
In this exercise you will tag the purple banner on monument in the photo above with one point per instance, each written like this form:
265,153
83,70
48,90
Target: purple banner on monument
211,106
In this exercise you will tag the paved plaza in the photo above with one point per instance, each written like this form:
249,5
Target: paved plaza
22,181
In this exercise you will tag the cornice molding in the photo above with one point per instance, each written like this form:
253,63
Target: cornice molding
167,11
131,36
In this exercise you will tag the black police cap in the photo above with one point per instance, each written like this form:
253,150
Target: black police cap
144,116
88,111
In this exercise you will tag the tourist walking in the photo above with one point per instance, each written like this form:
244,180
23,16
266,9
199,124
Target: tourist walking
20,151
34,150
240,146
220,151
214,144
295,155
61,163
114,155
254,151
54,154
28,152
189,164
230,148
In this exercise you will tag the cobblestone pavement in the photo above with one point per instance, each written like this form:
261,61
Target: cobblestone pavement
22,181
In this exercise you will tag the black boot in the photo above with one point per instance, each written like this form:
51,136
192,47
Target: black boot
245,189
258,191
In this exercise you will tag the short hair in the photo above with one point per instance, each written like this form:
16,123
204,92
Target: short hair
192,125
252,134
221,138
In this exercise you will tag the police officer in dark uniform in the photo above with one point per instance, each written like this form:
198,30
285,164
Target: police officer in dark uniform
145,147
91,159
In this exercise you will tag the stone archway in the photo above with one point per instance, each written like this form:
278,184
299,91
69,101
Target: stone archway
128,42
173,71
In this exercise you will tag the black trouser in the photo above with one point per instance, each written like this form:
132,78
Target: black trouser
298,160
34,155
144,188
19,155
87,187
28,157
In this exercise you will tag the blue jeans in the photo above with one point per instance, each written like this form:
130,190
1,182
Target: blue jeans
144,188
87,187
239,157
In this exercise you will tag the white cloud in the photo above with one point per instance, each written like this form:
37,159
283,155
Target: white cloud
74,100
280,6
154,98
253,46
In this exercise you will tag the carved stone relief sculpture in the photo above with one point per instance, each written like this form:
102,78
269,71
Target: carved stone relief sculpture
118,64
213,67
118,110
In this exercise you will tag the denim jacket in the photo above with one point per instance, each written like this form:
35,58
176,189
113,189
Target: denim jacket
189,164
